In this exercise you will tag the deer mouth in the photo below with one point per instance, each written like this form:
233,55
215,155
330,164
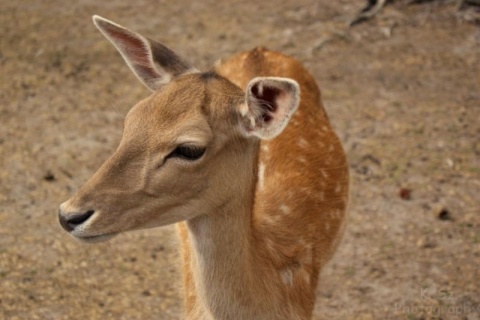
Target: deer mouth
96,238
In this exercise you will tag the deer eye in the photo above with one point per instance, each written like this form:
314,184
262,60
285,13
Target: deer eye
190,153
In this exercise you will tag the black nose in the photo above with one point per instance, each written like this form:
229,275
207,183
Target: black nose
69,223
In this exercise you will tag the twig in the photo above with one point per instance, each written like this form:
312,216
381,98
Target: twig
372,8
461,3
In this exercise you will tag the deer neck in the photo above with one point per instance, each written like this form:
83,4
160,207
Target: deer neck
223,265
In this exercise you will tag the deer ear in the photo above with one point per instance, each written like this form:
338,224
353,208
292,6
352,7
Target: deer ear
270,102
153,63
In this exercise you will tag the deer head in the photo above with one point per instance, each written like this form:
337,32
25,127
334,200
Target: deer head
186,149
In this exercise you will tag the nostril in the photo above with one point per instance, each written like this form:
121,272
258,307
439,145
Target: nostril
77,219
69,223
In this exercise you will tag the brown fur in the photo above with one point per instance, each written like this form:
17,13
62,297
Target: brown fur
315,191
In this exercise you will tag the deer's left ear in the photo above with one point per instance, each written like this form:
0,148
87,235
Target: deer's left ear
270,102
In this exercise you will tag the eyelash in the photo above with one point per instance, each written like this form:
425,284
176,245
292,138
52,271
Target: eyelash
189,153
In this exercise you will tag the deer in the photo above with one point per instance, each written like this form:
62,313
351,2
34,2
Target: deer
243,159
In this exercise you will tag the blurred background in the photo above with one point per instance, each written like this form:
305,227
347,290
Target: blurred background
402,90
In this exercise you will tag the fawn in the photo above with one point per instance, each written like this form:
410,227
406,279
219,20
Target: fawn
243,158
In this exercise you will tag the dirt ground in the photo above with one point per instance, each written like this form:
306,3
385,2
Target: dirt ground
402,91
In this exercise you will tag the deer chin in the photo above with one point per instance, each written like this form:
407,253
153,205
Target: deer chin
95,238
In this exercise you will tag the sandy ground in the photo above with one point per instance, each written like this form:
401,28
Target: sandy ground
402,91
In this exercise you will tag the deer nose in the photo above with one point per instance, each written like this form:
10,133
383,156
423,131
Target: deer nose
72,221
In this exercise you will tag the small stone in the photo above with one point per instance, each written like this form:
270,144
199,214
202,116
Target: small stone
425,243
49,176
405,194
449,162
420,242
442,213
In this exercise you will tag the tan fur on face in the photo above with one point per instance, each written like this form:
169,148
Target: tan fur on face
135,188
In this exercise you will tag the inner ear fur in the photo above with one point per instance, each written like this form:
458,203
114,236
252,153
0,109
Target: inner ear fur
270,102
152,62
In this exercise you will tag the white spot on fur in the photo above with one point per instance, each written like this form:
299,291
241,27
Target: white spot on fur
285,209
270,245
287,276
306,191
305,276
324,174
321,196
302,159
338,188
327,226
302,143
306,254
261,175
270,219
